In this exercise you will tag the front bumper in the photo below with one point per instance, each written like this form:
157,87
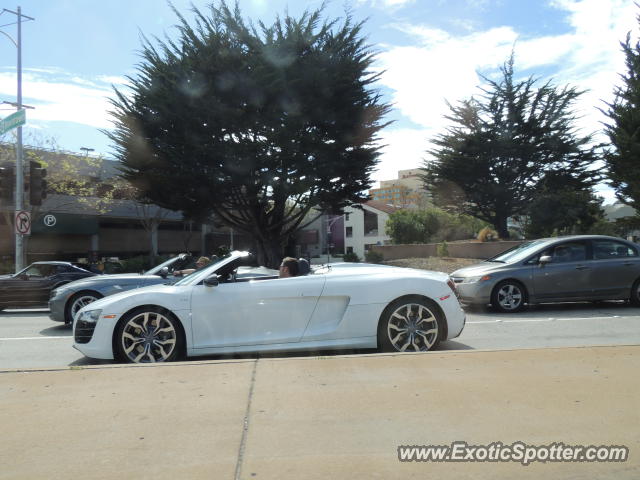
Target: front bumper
96,343
476,293
57,306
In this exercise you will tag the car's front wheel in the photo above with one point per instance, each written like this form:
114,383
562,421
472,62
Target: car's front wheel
148,335
509,296
78,301
410,324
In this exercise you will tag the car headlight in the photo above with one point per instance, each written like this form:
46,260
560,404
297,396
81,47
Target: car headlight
479,278
89,316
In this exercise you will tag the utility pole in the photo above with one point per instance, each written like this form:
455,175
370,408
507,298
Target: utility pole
19,203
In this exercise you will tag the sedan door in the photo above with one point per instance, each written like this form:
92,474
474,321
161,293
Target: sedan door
616,266
255,312
567,276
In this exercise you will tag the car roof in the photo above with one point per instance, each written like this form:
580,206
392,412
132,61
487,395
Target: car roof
52,262
582,237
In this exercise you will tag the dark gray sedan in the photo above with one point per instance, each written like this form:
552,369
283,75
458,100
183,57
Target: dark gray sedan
563,269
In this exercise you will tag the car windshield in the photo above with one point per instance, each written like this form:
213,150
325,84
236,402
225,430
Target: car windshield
156,270
519,252
189,278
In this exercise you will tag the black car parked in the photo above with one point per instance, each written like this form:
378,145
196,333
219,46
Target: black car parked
31,287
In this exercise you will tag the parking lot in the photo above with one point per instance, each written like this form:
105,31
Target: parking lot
29,339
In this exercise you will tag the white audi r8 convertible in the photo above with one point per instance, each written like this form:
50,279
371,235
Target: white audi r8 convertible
213,312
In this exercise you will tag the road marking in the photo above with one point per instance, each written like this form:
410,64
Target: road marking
34,338
550,319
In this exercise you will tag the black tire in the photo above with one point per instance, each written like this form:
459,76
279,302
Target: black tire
135,342
77,301
635,294
409,314
509,296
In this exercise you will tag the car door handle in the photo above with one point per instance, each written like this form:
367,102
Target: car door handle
581,267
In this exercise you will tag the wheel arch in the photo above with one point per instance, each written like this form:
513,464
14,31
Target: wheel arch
71,299
524,286
444,331
140,308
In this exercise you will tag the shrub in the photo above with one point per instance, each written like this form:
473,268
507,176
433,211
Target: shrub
442,250
373,257
487,234
351,257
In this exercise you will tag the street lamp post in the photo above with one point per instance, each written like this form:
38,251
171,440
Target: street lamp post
19,190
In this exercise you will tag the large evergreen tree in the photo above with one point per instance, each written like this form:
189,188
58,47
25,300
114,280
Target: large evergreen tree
257,125
501,146
623,159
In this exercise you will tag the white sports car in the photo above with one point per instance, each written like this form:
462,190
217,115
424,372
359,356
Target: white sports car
213,312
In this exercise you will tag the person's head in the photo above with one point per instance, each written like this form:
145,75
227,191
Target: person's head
202,261
289,267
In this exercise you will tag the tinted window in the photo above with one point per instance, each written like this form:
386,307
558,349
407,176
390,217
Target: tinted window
604,249
519,252
567,252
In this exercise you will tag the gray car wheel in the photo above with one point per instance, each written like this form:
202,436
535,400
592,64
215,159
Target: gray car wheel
78,301
148,335
509,296
412,324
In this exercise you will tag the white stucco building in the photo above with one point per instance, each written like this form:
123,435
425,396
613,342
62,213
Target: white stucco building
366,228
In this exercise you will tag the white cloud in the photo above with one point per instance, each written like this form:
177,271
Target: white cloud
403,149
443,67
393,4
61,97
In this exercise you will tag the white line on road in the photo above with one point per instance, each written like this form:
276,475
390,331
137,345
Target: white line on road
34,338
550,319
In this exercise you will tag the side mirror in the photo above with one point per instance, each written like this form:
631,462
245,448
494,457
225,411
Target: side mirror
164,272
545,259
211,281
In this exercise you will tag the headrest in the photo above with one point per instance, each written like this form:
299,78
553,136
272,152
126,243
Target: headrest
303,266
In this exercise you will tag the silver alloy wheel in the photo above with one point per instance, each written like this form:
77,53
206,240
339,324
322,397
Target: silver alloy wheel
80,302
510,296
412,327
148,337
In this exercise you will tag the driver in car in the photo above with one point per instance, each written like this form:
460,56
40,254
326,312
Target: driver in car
289,267
201,262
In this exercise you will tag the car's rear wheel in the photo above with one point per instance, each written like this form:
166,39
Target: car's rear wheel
635,294
148,335
509,296
78,301
410,324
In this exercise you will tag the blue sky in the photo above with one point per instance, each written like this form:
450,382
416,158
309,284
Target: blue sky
430,50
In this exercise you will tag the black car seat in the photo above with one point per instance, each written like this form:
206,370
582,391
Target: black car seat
303,267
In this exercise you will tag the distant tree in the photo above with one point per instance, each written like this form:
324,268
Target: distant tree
430,225
502,144
563,207
623,130
256,125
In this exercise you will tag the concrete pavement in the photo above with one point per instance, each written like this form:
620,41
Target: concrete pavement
320,417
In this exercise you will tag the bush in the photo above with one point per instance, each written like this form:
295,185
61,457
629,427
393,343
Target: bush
351,257
442,250
373,257
487,234
142,263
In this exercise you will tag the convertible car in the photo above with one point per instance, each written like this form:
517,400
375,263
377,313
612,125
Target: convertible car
213,311
30,287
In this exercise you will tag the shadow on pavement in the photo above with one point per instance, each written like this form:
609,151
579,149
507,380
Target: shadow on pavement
452,345
58,330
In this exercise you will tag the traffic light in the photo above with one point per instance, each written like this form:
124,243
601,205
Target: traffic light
7,182
37,183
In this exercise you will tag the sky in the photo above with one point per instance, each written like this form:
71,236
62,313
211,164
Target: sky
430,52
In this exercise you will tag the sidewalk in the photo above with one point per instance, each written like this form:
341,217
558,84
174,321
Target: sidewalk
320,417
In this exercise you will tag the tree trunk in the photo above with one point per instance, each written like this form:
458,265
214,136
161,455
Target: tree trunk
501,227
269,252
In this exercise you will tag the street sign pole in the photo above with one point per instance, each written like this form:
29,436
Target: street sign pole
19,168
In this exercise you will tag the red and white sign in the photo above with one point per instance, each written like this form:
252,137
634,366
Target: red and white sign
23,223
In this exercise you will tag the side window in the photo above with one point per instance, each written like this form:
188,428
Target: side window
610,249
568,252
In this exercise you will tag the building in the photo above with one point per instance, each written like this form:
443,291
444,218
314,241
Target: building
405,191
365,227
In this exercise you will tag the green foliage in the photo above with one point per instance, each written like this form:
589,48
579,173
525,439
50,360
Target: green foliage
501,144
430,225
372,256
257,125
623,158
351,257
442,249
562,208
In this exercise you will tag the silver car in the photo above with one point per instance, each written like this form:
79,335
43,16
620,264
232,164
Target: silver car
562,269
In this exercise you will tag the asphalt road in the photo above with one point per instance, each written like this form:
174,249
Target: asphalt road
29,339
